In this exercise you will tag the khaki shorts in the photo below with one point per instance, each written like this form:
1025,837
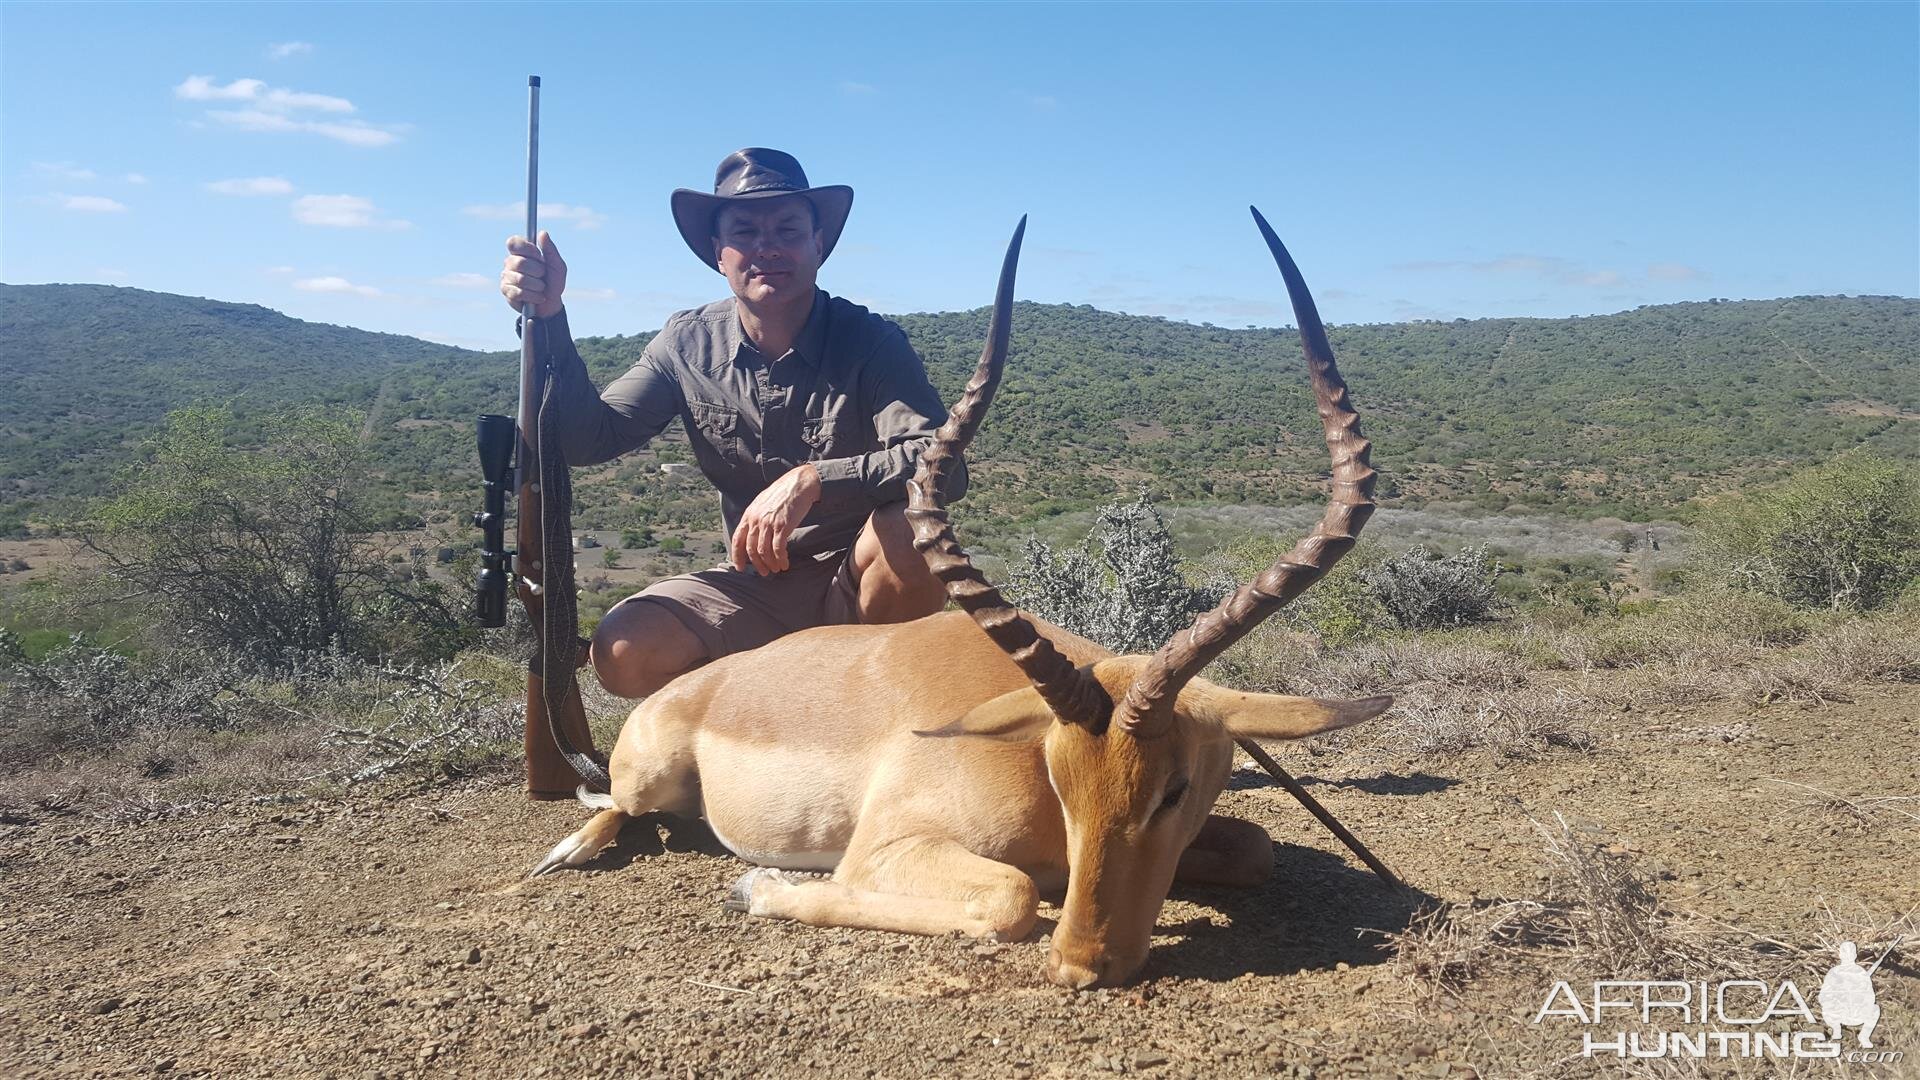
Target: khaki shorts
732,610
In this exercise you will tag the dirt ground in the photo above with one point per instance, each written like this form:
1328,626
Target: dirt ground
393,937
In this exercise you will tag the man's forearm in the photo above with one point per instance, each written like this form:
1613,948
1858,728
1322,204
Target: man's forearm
878,478
586,432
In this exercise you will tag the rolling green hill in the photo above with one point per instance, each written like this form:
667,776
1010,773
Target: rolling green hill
1630,413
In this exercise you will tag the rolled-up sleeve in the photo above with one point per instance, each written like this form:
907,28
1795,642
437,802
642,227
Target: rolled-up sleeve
599,426
906,412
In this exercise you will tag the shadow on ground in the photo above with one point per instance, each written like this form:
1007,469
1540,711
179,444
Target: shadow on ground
1314,913
1420,783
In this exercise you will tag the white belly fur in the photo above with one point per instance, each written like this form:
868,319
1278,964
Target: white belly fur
780,860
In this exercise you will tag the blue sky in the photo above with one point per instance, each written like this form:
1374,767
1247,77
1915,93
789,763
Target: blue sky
360,164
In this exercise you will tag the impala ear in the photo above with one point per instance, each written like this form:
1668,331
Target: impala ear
1020,714
1277,716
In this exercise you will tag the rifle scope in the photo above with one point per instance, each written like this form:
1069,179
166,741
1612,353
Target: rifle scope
497,437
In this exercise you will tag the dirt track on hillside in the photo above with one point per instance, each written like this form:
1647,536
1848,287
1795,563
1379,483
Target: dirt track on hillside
394,938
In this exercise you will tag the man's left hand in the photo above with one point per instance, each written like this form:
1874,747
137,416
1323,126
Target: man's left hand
761,539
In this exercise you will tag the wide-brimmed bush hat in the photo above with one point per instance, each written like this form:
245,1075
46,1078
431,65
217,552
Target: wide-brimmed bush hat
757,173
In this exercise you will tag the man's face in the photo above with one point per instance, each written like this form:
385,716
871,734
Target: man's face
768,248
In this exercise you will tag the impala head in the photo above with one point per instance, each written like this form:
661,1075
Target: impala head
1137,747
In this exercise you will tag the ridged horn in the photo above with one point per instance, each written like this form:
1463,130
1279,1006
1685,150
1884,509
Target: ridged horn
1074,696
1147,708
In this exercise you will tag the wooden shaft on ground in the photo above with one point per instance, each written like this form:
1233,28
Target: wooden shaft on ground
1259,754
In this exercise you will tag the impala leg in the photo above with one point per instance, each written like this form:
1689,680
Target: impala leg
934,887
652,769
584,845
1228,851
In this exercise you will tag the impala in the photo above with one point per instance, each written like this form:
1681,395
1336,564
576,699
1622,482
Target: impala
940,775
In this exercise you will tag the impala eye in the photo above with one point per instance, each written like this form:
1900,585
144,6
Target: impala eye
1175,792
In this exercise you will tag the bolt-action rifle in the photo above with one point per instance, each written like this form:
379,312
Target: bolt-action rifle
525,453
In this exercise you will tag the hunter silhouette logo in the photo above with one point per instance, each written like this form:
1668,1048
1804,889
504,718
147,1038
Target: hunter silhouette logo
1846,996
1735,1018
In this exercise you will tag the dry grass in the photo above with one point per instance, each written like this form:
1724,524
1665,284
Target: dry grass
1865,809
1512,723
1601,915
216,737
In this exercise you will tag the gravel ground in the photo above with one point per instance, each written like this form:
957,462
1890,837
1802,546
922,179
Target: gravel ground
394,937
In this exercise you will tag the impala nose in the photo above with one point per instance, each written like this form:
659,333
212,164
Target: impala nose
1073,976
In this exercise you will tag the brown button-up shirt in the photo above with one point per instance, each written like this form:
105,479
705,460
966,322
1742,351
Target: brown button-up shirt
851,396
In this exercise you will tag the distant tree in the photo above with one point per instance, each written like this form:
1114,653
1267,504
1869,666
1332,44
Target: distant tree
257,546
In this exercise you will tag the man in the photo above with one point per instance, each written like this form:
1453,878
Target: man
807,412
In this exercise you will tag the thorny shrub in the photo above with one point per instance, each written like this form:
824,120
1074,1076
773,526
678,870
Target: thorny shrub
1423,590
1122,587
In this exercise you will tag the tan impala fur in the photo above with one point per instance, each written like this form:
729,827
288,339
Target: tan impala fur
940,774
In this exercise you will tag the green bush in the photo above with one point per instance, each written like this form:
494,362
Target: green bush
1844,535
1340,608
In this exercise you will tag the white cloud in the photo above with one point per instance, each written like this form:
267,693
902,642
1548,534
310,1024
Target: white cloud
90,204
1669,271
592,294
202,88
298,99
335,285
252,185
351,132
108,273
273,108
1551,268
283,49
62,170
464,280
342,212
279,270
134,178
584,217
848,86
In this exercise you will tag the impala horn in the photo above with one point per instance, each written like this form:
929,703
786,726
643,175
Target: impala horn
1073,695
1147,708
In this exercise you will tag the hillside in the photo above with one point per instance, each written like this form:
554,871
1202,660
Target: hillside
1626,413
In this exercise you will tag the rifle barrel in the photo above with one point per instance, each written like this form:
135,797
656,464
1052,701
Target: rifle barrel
529,406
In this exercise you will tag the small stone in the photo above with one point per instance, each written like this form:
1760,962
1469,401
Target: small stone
1343,966
163,1064
105,1005
581,1031
473,956
1148,1061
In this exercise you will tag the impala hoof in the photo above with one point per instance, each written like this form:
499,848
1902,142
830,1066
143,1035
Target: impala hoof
740,896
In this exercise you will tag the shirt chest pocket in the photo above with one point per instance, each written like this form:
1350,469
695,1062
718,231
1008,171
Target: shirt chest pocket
821,435
719,431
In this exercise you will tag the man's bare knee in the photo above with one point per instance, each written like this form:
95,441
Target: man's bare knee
639,648
895,584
